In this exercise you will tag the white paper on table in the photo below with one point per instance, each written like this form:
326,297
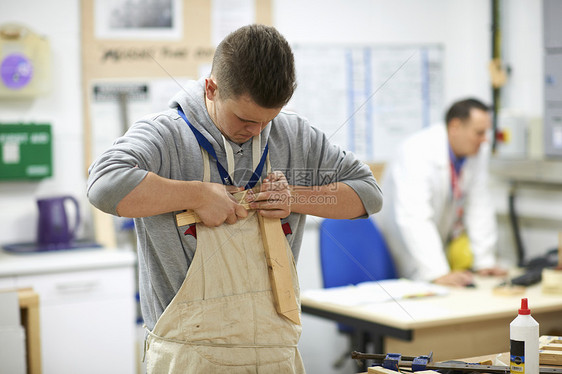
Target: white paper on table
375,292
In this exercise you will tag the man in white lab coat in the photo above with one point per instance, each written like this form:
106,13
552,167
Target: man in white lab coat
438,218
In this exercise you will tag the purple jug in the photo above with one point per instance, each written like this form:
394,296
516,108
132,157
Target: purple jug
53,230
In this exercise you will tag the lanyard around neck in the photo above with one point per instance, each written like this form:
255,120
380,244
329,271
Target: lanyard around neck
455,185
456,165
225,176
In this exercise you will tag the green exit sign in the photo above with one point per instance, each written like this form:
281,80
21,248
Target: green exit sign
25,151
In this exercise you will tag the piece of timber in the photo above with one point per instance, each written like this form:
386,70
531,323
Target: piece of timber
380,370
550,350
277,256
189,217
550,357
552,347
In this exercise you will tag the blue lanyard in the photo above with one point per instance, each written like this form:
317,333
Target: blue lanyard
207,146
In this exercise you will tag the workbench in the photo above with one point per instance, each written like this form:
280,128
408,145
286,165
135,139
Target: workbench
467,322
500,360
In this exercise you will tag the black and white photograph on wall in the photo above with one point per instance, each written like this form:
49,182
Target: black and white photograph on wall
138,19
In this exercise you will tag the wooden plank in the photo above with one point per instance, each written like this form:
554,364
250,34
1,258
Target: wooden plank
380,370
189,217
377,169
277,257
547,357
550,339
104,228
550,350
552,347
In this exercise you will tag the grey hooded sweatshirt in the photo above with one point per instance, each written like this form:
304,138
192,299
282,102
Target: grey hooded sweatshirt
164,144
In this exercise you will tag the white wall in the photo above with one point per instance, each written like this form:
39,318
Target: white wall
59,21
522,35
461,26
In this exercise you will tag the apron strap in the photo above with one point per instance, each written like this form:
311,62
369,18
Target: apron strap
206,166
268,165
229,156
256,148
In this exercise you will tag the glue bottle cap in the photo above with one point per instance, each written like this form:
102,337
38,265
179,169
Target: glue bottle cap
524,307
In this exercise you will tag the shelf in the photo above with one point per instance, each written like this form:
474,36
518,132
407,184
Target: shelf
540,172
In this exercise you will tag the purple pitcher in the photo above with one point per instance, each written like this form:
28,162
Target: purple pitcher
53,230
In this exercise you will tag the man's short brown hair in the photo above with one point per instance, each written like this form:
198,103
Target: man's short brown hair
255,60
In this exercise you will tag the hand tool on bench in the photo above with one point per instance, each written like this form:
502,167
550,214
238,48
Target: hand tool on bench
423,363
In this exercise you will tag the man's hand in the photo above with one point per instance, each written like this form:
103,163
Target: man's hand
274,198
458,278
217,205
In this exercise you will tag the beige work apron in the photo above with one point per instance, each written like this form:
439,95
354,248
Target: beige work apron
223,318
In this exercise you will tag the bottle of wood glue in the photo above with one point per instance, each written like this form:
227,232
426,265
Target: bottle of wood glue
524,342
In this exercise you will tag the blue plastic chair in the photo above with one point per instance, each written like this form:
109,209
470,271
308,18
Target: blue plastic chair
351,252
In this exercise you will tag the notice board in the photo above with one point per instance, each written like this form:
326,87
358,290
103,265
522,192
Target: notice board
25,151
136,54
136,41
367,98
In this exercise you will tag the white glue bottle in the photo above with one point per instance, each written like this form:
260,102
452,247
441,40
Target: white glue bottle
524,342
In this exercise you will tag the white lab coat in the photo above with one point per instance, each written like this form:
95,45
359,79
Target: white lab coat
418,213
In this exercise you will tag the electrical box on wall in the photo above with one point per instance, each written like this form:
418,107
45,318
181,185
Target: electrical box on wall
25,62
25,151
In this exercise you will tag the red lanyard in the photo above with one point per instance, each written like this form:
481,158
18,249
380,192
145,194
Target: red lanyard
458,202
457,193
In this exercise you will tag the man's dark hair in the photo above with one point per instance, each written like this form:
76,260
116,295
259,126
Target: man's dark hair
461,109
255,60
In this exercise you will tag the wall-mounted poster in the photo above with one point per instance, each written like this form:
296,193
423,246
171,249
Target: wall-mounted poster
138,19
136,55
228,15
375,94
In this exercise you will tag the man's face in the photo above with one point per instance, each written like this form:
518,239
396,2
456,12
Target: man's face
238,119
467,136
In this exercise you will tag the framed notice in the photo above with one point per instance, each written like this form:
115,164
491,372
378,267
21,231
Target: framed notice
135,53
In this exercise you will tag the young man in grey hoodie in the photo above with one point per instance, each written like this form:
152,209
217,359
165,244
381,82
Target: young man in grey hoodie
209,144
